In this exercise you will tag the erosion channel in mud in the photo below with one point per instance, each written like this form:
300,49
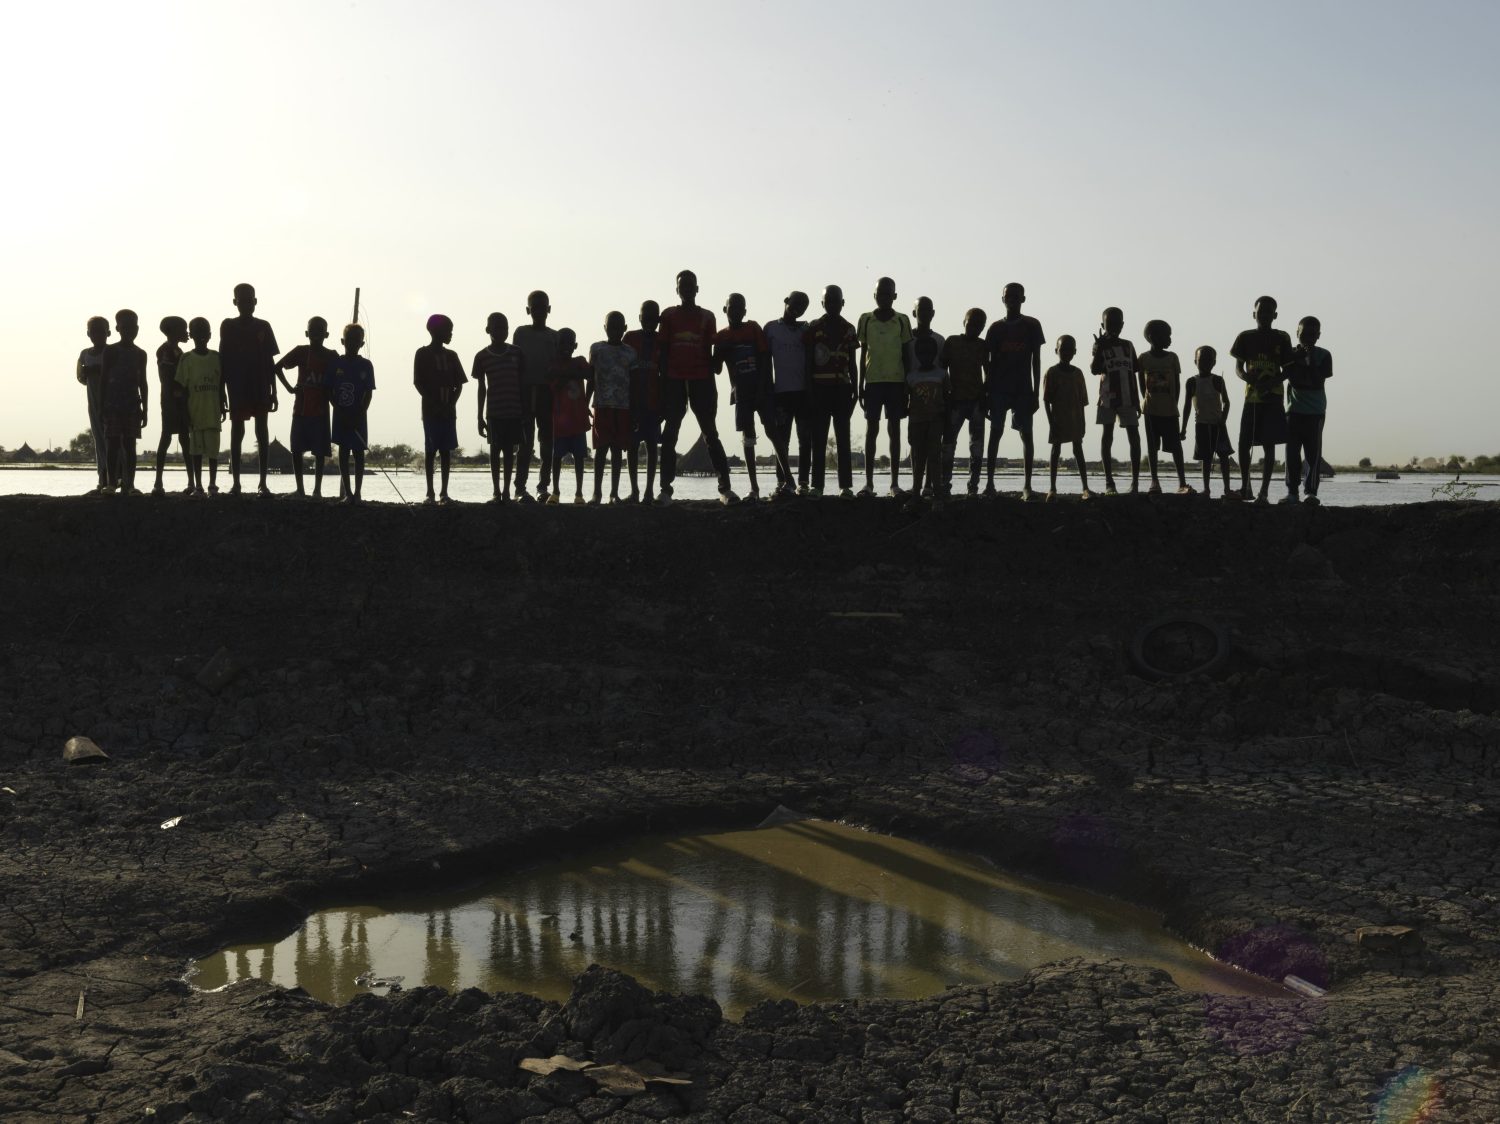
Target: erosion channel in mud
806,910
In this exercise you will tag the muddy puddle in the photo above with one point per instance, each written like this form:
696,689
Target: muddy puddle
807,910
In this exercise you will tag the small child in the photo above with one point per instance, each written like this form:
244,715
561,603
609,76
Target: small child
1160,376
90,372
439,378
170,399
784,338
125,397
926,386
645,397
965,356
570,412
1114,361
498,372
1259,355
1065,397
610,362
206,404
1307,408
310,427
350,383
1206,394
741,348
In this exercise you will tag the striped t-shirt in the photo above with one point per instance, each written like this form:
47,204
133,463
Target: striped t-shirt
501,371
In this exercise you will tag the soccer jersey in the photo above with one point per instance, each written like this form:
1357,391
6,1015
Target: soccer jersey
611,363
312,365
570,407
965,356
645,380
348,379
925,394
1263,351
885,343
1309,369
437,375
788,347
687,335
539,346
832,341
741,349
1012,342
247,352
201,376
1114,363
501,371
167,357
1163,375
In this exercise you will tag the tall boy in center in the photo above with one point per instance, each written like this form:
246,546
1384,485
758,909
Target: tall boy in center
884,336
687,355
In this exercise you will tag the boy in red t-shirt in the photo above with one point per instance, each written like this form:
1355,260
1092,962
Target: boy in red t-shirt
570,412
741,348
686,360
645,397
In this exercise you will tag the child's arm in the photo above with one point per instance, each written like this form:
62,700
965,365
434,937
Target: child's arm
481,392
1187,404
1223,395
1036,374
144,389
282,364
223,393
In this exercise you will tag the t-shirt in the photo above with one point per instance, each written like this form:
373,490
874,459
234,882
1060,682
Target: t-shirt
611,363
435,369
312,365
570,406
832,341
90,364
349,379
1064,389
741,350
925,394
124,371
940,360
539,346
201,377
1011,345
885,343
501,372
788,346
1208,406
965,356
167,357
1114,363
247,350
1263,351
645,379
687,335
1309,369
1163,377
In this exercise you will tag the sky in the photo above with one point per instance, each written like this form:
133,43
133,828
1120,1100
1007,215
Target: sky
1175,159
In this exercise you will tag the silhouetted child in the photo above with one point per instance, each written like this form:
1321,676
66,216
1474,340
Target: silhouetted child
206,402
741,349
1160,375
439,378
645,397
926,385
171,402
884,336
1207,395
610,363
687,382
125,399
1065,396
311,433
1307,406
247,350
1015,379
831,342
792,409
90,373
351,384
965,357
1114,361
538,344
1259,355
923,313
499,374
570,413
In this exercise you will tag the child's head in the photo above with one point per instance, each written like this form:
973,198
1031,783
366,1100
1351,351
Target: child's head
1309,330
614,327
354,339
924,312
885,293
440,328
567,342
734,309
926,350
200,331
1067,347
974,321
98,330
1205,358
497,327
687,286
1265,312
538,307
833,300
1158,334
650,315
174,328
1113,321
796,304
127,325
244,298
1014,297
317,331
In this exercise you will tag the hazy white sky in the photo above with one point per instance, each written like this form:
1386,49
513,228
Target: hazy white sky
1176,159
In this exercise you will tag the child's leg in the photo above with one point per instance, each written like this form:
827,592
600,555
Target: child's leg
872,435
598,475
918,444
1153,451
578,476
318,477
344,490
431,457
1028,451
633,459
1181,468
750,459
845,449
262,444
994,453
236,440
1106,450
652,452
615,456
556,472
1083,467
893,433
297,471
1056,456
1267,468
1134,434
213,474
510,460
359,472
162,447
445,456
1314,447
935,456
1244,452
495,469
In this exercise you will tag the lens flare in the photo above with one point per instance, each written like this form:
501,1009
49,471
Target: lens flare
1413,1096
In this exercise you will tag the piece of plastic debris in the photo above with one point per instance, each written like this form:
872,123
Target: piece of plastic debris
620,1080
168,825
544,1066
370,979
782,814
7,788
78,1014
83,751
1303,987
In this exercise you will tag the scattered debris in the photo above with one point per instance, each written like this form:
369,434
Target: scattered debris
1398,940
168,825
216,674
7,788
866,616
83,751
371,980
78,1014
620,1080
544,1066
1303,987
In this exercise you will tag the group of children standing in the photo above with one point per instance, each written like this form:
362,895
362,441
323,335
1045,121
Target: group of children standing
800,378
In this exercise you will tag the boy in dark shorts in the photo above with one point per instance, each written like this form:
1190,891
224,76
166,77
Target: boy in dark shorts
538,344
1160,375
687,380
498,373
126,395
205,403
1065,397
741,349
883,336
1207,395
247,349
1307,406
570,413
831,342
610,362
310,429
1015,379
439,378
351,384
90,372
170,402
645,397
964,356
923,313
1259,355
788,350
1114,361
926,386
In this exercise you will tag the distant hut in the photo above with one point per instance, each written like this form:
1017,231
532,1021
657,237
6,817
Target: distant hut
278,457
25,455
696,461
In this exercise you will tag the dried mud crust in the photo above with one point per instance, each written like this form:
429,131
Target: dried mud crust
470,686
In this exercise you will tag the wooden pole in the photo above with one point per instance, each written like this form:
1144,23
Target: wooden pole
356,307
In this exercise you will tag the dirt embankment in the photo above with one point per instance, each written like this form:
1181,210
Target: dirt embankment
461,687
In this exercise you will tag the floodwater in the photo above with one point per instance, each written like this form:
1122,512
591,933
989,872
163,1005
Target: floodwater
808,910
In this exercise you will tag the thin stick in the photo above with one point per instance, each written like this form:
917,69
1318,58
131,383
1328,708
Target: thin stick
356,306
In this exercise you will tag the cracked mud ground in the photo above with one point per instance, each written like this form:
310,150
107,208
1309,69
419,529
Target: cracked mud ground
472,687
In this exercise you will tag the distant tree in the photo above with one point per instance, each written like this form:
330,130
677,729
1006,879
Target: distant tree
81,448
1454,462
1365,462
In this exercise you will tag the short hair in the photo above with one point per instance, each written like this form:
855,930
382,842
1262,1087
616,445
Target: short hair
352,327
613,315
1112,309
319,321
1066,339
172,324
1016,285
243,288
1310,322
492,317
1265,300
438,320
127,314
645,304
569,332
684,274
925,300
797,294
537,296
1154,326
979,312
97,322
884,281
199,324
1206,349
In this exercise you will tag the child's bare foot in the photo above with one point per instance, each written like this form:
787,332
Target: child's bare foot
578,498
1052,496
1186,490
1088,495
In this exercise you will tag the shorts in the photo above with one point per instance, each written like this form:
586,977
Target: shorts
1162,433
645,425
122,426
537,404
248,402
1210,440
574,445
752,399
1127,414
1019,404
889,397
350,429
203,443
440,434
611,428
1263,423
310,434
505,433
174,415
